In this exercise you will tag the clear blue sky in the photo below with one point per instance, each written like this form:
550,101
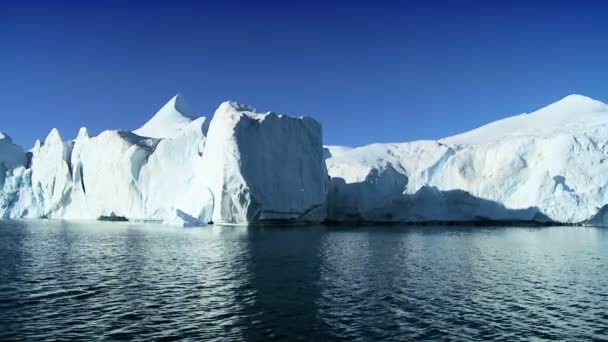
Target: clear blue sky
378,71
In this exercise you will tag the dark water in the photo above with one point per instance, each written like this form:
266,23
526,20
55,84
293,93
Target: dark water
113,281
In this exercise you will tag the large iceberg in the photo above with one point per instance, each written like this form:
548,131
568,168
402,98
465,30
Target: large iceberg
546,166
170,171
245,167
116,174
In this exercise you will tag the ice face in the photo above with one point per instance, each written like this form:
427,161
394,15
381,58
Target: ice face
171,179
549,165
170,171
51,174
264,166
247,167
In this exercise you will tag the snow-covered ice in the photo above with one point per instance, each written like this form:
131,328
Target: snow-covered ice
170,171
113,174
264,166
549,165
573,114
51,174
245,167
171,180
169,121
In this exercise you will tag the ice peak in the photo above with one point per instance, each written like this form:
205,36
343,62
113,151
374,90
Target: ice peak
574,103
233,106
169,120
5,138
576,97
83,132
179,103
53,137
570,114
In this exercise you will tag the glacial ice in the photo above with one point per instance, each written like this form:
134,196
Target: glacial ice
116,174
264,167
169,171
169,121
245,167
171,180
51,174
549,165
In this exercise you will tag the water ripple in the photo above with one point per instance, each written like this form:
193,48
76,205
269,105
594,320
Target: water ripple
137,282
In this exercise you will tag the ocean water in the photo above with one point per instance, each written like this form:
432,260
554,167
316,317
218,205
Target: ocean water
113,281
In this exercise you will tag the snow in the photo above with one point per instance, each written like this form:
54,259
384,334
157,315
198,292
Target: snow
51,174
549,165
246,167
264,166
169,121
572,114
120,174
110,166
115,174
171,178
178,170
334,150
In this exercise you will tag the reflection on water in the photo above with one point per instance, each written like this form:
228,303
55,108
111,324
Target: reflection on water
125,281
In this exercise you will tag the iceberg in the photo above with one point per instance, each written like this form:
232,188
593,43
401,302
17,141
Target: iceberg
114,175
177,169
264,166
546,166
171,179
248,167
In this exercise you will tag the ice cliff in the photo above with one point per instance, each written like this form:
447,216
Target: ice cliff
264,167
549,165
177,169
245,167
